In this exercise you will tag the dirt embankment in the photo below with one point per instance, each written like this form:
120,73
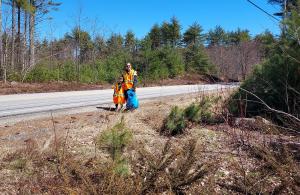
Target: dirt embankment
211,159
17,88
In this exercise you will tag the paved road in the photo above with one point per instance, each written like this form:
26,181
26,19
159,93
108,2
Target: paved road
14,105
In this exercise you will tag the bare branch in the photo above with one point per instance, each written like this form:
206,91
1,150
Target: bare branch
271,109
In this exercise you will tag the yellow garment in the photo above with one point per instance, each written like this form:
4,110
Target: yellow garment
118,97
129,79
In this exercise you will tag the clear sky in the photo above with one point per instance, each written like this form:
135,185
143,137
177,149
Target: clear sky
107,16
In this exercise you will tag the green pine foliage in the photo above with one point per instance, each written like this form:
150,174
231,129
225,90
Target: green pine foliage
199,112
164,53
196,60
114,140
276,81
175,123
193,113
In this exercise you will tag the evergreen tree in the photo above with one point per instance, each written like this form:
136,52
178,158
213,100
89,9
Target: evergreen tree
238,36
82,42
166,33
197,61
267,41
193,35
100,46
286,6
216,36
130,41
155,36
172,58
115,42
175,34
171,32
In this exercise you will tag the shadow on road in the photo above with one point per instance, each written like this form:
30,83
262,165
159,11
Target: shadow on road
105,108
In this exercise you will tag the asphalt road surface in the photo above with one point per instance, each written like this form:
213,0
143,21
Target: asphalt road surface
21,104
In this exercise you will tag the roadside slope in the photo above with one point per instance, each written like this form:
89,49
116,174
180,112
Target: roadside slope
30,150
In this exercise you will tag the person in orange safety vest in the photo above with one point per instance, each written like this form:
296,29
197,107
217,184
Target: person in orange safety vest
130,79
119,96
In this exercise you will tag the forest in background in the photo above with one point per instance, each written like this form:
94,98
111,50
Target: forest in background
85,55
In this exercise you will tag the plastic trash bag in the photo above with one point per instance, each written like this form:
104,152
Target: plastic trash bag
132,101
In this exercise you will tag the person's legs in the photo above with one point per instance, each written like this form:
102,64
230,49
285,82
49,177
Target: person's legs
121,107
126,97
126,94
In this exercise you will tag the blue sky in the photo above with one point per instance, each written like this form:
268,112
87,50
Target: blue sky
107,16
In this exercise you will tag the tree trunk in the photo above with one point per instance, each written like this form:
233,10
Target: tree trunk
5,58
19,46
31,36
24,50
13,29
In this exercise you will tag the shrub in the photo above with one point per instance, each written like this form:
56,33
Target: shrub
198,112
175,123
201,111
14,76
102,74
176,171
115,139
68,72
87,74
206,104
193,113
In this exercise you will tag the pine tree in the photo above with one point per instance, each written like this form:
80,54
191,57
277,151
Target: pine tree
193,35
216,36
130,41
197,60
166,33
238,36
155,36
115,42
170,32
174,28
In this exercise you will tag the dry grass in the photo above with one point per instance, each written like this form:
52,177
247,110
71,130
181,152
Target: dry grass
16,88
207,159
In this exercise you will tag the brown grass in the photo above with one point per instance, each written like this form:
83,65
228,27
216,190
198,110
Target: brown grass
17,88
208,159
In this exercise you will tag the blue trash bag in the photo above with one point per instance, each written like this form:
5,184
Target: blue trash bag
132,101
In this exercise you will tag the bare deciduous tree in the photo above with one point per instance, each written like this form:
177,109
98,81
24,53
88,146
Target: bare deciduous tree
235,62
31,35
13,30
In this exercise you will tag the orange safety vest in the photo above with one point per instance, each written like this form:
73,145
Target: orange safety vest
118,97
129,78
